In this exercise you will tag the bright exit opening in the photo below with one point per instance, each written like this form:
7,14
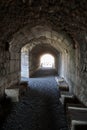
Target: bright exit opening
24,63
47,61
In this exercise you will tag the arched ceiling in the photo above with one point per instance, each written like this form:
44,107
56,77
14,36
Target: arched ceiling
61,15
40,35
42,49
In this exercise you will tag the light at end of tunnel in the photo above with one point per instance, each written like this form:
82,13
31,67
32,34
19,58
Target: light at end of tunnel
47,60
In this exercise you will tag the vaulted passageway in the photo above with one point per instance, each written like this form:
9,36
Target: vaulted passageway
38,27
41,39
37,41
34,57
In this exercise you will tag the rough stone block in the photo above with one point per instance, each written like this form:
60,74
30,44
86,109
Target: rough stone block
23,86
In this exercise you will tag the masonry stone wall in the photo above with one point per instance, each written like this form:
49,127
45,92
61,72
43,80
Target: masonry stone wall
33,64
76,68
9,69
15,68
81,85
68,67
4,68
62,16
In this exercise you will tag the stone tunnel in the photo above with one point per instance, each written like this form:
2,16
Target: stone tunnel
40,27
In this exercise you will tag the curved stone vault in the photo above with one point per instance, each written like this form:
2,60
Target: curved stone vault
58,26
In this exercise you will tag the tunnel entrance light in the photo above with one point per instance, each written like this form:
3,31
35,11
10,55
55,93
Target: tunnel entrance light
47,61
24,63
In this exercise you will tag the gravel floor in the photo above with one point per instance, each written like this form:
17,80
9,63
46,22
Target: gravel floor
40,109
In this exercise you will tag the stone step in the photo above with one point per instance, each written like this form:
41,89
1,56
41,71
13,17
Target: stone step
78,125
13,94
62,84
72,101
76,113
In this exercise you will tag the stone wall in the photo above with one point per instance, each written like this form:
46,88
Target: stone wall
9,69
62,16
4,68
76,68
68,67
15,68
81,85
33,64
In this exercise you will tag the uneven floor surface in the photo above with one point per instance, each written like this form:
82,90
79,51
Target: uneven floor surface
39,109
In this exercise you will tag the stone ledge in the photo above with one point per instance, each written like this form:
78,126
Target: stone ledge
62,84
72,101
66,95
78,125
76,113
13,94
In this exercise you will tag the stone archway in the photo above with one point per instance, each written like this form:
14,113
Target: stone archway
35,55
41,36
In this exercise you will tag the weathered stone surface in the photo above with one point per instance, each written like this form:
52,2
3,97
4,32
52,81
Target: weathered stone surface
61,24
39,109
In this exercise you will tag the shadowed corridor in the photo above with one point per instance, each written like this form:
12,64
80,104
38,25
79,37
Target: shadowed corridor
40,108
29,30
